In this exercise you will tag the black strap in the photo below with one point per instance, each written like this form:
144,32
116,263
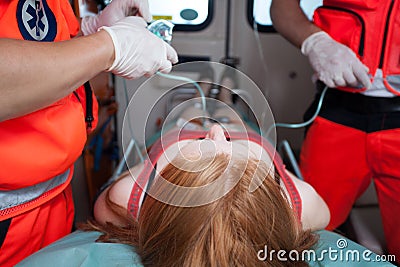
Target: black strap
89,105
4,226
360,103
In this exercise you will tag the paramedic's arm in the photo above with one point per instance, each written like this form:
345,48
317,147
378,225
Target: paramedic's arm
36,74
315,213
334,63
291,22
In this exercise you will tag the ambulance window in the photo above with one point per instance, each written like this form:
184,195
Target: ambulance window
187,15
258,13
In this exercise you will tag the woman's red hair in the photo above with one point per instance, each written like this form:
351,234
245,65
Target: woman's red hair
227,232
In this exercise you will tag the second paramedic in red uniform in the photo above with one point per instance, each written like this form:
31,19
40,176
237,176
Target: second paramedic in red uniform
43,106
354,48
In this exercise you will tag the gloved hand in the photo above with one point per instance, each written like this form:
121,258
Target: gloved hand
138,52
334,63
116,10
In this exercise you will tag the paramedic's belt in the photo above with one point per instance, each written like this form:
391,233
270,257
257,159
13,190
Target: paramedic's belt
360,103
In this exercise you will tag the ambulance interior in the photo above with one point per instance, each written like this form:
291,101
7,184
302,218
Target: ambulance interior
237,33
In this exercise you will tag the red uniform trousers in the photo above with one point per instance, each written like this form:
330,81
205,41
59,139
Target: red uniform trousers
345,148
37,228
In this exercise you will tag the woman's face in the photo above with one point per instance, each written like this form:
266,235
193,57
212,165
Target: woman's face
214,143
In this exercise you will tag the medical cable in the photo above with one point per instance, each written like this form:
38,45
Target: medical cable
259,47
130,125
260,50
285,147
163,30
121,164
303,124
132,144
196,85
285,125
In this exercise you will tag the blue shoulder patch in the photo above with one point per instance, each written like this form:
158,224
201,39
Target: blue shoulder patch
36,21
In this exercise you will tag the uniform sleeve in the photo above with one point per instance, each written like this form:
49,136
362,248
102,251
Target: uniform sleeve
70,17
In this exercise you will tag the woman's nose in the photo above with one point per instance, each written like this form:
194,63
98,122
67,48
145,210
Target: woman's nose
216,133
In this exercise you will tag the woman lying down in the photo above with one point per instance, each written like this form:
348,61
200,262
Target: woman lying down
210,198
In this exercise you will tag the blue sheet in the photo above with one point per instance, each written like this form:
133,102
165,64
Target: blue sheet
80,249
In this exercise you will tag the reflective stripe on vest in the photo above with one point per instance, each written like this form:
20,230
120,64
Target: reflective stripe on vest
13,198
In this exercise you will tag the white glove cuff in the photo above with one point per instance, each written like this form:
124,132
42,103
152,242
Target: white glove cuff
310,41
117,52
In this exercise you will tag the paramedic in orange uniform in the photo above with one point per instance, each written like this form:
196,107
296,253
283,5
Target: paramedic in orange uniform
354,48
43,106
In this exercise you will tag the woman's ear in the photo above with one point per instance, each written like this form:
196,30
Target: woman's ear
119,194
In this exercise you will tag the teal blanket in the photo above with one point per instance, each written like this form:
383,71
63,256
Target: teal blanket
79,249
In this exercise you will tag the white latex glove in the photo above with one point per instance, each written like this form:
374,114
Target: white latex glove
138,52
116,10
334,63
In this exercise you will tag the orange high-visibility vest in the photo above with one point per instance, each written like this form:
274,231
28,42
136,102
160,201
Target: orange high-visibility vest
42,145
369,27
